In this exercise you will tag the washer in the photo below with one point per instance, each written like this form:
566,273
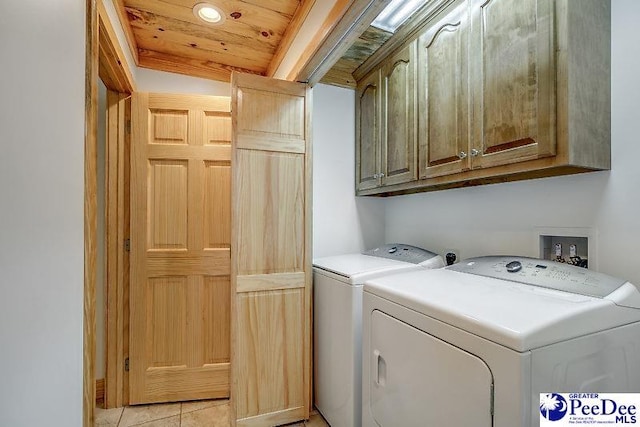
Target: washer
476,343
338,323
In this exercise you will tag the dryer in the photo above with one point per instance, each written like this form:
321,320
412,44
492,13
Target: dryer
476,343
337,282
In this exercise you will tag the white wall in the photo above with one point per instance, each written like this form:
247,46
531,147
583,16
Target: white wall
41,212
160,82
342,223
501,218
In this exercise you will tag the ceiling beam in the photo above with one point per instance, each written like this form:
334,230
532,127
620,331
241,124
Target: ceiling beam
188,66
290,34
335,14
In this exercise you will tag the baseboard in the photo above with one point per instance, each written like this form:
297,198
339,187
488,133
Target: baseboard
100,390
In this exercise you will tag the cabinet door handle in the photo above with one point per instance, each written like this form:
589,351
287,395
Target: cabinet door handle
381,175
376,176
474,152
462,155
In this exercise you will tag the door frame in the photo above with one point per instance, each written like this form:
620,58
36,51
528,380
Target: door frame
117,226
104,58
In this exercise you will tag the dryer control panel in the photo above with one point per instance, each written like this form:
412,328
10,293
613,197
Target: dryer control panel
401,252
541,273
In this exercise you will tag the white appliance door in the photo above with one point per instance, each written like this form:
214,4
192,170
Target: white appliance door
420,380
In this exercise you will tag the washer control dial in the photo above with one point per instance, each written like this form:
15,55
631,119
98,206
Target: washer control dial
514,266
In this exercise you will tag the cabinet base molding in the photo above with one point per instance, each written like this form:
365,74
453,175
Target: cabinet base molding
491,178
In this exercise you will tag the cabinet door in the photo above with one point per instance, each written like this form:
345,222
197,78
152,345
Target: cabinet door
270,251
398,125
443,95
368,132
513,75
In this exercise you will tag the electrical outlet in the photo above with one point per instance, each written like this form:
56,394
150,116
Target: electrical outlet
451,256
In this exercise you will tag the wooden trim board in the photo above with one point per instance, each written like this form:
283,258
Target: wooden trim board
90,214
335,15
99,390
291,33
114,70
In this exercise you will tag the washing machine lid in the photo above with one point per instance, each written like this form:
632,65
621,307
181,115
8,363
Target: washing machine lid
356,268
517,315
385,259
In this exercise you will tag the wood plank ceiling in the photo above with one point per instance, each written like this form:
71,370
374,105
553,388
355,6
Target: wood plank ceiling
165,35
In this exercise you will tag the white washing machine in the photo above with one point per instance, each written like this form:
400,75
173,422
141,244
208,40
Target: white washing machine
337,283
476,343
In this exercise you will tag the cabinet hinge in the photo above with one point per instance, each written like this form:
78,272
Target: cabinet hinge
126,364
127,245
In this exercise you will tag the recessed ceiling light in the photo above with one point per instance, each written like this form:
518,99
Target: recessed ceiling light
209,13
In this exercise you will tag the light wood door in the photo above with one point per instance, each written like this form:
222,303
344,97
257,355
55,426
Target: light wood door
180,248
368,119
513,75
398,126
443,95
271,251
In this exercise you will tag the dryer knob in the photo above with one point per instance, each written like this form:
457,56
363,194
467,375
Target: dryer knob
514,266
451,258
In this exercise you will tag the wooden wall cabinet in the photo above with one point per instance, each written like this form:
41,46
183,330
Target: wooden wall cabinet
513,81
443,96
506,90
386,136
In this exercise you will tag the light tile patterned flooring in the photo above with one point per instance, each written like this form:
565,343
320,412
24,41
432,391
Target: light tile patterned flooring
208,413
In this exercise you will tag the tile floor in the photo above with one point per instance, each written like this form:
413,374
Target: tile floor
209,413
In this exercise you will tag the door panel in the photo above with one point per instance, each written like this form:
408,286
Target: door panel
368,132
273,371
180,248
443,101
167,193
514,72
217,196
283,230
271,255
399,145
419,380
